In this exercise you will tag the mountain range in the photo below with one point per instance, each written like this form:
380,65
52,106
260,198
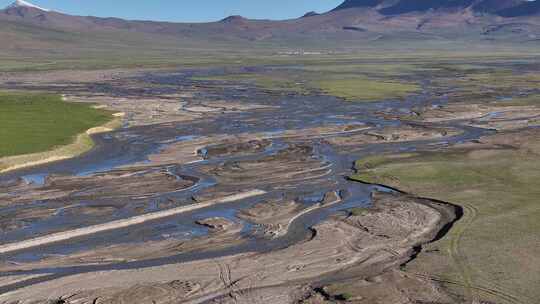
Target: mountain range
27,27
504,8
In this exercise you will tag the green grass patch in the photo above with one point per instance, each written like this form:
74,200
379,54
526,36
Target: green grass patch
382,69
499,190
365,89
31,123
487,86
272,82
339,83
359,211
344,297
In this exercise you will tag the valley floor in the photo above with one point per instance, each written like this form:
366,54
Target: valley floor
353,181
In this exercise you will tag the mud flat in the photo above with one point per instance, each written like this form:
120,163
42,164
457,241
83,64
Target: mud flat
404,133
62,236
93,199
292,165
223,234
339,243
275,217
496,116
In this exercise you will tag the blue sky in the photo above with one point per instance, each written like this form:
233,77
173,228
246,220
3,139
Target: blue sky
186,10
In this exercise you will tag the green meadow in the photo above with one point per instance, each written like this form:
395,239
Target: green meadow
491,252
31,123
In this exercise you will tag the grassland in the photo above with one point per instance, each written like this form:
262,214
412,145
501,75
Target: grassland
363,89
493,252
491,84
350,82
35,48
353,79
33,123
265,81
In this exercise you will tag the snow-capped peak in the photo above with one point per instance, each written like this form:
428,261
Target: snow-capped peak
22,3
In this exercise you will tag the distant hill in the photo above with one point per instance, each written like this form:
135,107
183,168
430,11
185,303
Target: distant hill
408,6
27,28
359,4
398,7
527,8
496,6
